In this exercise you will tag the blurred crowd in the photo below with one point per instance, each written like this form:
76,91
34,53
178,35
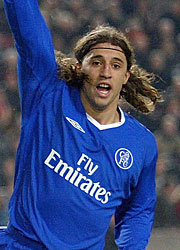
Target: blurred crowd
153,28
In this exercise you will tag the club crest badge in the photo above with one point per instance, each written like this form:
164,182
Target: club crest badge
123,158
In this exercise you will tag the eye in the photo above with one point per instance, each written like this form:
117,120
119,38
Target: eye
116,65
96,63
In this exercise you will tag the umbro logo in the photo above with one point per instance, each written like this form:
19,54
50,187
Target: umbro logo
75,124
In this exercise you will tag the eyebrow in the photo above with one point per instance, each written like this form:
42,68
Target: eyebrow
100,56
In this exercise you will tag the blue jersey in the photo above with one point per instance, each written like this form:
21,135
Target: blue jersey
72,173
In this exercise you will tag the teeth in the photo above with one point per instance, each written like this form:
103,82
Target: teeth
104,85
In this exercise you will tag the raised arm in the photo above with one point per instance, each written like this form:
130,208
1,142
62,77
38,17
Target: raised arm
36,59
134,221
33,39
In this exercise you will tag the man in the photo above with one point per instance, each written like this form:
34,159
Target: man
80,159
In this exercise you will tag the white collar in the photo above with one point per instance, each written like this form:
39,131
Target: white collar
107,126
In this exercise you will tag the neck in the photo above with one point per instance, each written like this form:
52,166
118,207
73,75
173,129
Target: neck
103,114
104,117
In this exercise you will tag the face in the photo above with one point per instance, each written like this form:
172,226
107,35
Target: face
106,67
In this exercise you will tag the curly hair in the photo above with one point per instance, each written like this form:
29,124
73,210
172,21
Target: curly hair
138,91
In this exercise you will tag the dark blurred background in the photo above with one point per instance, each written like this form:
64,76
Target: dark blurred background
153,28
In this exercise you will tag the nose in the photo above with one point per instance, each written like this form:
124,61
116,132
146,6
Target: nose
106,71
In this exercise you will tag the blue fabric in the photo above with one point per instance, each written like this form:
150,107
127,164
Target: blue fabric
11,239
70,175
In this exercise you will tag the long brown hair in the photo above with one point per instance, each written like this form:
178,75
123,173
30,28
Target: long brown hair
138,91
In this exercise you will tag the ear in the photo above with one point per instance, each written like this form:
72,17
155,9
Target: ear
127,75
78,67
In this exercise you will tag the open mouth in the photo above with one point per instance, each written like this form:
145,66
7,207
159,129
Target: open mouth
103,89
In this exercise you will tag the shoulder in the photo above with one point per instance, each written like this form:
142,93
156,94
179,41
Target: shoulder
144,140
142,133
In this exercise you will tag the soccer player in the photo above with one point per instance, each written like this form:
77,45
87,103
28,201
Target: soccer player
80,159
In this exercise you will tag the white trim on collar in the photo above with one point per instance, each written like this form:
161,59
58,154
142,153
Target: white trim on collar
107,126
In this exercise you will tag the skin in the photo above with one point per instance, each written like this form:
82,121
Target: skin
106,66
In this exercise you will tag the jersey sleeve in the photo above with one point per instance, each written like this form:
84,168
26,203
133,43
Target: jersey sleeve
36,59
134,219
